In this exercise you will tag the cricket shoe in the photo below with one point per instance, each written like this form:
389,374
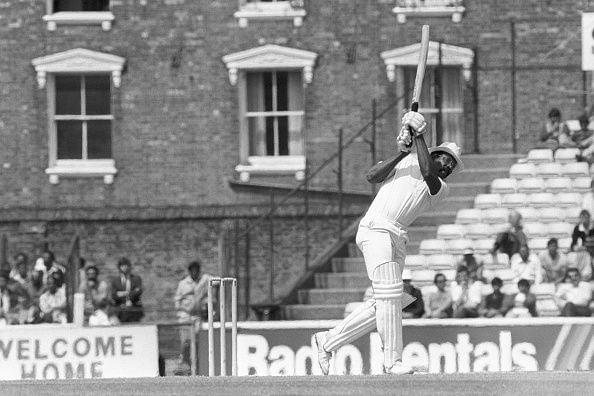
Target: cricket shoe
323,356
399,368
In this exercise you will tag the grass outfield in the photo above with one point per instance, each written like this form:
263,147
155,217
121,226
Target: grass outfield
525,384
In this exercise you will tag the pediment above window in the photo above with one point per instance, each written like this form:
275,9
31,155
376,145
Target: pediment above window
79,60
451,55
273,57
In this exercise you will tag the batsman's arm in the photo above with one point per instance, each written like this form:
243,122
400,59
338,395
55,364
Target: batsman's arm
380,171
426,164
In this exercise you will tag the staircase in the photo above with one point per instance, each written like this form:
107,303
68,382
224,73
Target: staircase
348,279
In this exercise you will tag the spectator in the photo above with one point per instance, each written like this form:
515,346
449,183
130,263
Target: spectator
52,303
8,301
553,263
588,201
524,302
21,280
439,303
96,292
574,297
417,308
584,258
101,316
19,272
582,230
126,291
526,265
583,139
492,305
47,265
466,295
509,242
474,266
555,133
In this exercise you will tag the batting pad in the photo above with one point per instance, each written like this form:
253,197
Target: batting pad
387,289
361,321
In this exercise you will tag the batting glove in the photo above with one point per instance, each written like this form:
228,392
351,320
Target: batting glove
414,120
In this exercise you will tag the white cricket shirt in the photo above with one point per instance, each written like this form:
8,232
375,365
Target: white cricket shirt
405,195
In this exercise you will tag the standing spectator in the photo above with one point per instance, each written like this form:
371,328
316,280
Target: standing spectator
439,303
126,289
574,297
96,292
555,132
509,241
466,295
524,302
582,230
474,266
47,265
417,307
492,305
588,201
526,265
52,303
553,263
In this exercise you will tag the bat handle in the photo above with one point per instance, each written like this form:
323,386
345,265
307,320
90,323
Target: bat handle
414,106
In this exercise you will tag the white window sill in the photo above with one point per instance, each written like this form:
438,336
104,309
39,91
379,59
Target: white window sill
269,11
103,18
282,165
427,11
82,168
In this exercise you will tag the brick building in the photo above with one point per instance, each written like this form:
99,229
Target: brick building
148,126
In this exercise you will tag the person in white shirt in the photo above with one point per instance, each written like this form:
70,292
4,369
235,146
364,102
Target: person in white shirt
526,265
52,303
574,297
553,263
466,295
588,201
413,181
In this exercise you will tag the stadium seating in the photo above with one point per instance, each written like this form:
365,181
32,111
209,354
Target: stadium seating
423,277
568,200
566,155
522,171
500,261
548,169
457,246
540,200
495,215
551,215
415,261
449,274
479,231
505,274
535,230
571,258
516,200
529,213
537,245
572,214
531,185
504,186
559,230
469,216
451,231
581,185
439,262
500,227
537,156
558,184
483,246
433,246
564,243
486,201
575,169
547,307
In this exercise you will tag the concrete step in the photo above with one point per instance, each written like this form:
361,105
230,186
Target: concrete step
348,264
330,296
342,280
313,312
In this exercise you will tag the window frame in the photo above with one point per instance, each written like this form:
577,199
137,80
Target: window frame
270,11
52,19
435,8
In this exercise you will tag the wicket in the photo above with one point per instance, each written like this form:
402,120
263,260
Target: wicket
222,283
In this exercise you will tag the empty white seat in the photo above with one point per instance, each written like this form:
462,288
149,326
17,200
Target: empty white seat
559,230
504,186
428,290
421,278
529,213
551,215
558,184
450,231
571,259
486,289
564,243
538,156
581,184
440,262
516,200
415,261
568,200
483,246
540,200
522,171
565,155
572,214
548,169
575,169
537,245
457,246
531,185
486,201
495,215
546,307
543,289
534,230
469,216
505,274
479,231
500,227
450,274
432,246
499,261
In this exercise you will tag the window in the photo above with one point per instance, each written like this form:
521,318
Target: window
270,10
271,81
429,8
78,12
80,117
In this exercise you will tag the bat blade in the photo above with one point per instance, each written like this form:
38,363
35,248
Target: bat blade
420,68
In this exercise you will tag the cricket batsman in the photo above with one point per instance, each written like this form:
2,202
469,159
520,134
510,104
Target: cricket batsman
412,182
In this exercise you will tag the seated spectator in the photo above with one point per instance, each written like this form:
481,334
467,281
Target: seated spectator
584,259
573,297
102,316
583,139
47,265
52,303
466,295
126,289
96,292
555,132
553,263
588,201
439,303
526,265
417,308
8,301
509,242
474,266
492,305
524,302
582,230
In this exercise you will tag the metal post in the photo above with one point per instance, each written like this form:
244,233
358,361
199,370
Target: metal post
306,214
193,360
247,275
222,320
211,355
585,91
234,327
512,26
339,175
271,249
